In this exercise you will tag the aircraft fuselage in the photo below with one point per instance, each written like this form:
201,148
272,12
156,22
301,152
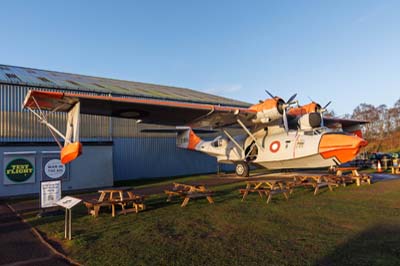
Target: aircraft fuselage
281,150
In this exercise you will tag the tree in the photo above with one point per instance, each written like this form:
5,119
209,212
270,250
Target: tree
367,112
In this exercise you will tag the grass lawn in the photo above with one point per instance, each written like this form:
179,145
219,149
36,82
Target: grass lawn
350,226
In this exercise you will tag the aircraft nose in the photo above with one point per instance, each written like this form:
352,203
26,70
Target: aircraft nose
344,147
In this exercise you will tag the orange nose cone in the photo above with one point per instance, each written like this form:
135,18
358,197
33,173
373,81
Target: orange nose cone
344,147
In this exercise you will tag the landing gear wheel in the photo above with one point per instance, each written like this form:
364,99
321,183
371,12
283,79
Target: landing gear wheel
242,169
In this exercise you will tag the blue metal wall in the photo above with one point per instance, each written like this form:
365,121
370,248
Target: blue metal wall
135,155
157,157
91,170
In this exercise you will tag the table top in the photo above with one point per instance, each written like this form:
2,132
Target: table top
267,181
347,168
115,189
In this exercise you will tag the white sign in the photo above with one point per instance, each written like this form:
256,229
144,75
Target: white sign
50,193
54,168
68,202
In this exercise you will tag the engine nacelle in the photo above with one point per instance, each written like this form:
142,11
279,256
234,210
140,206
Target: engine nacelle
268,111
266,116
309,121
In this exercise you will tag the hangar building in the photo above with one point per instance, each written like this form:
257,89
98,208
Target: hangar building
114,148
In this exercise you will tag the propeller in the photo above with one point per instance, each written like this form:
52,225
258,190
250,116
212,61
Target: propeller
284,106
326,105
287,102
291,98
322,111
285,121
270,95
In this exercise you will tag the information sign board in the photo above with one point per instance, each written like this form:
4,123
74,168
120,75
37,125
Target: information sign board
68,202
50,193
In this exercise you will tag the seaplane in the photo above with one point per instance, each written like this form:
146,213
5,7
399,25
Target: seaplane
276,134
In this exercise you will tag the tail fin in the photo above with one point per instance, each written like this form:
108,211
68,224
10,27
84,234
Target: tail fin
186,138
70,152
72,147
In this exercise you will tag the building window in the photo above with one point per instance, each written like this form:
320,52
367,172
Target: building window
13,77
43,79
73,82
98,85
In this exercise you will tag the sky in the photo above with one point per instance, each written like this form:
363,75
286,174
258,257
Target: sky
344,51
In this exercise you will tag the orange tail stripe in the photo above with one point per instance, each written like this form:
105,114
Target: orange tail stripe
193,140
71,152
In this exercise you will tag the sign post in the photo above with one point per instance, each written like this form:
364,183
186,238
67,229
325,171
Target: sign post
68,202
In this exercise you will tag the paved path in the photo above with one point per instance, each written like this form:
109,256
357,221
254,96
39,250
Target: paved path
19,246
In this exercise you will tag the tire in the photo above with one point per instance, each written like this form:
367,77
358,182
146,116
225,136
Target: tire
242,169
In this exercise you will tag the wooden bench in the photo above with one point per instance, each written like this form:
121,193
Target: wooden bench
172,193
137,203
336,180
188,192
246,191
396,170
322,184
277,191
362,179
93,206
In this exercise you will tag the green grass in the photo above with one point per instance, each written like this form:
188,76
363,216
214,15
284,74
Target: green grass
350,226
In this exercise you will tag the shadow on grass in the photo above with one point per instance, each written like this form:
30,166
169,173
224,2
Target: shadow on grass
379,245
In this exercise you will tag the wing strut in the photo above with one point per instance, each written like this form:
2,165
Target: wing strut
233,140
72,147
249,133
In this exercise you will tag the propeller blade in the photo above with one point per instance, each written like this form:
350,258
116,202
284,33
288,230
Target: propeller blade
270,95
292,98
285,121
326,105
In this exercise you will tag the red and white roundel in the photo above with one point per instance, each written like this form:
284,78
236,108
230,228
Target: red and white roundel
275,145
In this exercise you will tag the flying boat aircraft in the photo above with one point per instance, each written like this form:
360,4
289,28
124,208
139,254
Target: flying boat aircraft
277,134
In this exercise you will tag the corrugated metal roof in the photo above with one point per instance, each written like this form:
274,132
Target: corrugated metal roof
59,80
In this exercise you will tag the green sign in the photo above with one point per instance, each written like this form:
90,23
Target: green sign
19,170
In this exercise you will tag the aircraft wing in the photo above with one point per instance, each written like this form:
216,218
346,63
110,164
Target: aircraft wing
147,110
344,123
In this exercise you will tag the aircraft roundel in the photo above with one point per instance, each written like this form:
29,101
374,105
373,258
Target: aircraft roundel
275,145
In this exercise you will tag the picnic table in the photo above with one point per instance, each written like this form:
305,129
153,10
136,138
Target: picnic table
267,187
354,176
188,192
113,197
315,181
